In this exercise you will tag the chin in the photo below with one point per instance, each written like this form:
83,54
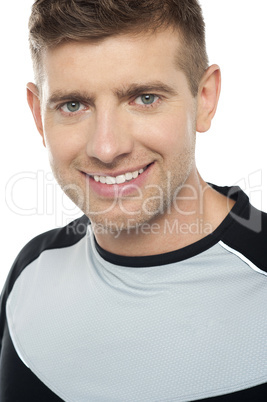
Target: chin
128,223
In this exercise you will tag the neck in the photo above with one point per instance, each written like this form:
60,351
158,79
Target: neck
199,210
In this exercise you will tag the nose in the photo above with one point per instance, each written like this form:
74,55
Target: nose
110,135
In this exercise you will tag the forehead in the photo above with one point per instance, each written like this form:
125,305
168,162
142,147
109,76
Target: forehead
117,60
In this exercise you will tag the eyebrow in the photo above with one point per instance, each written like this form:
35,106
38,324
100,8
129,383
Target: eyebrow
60,96
147,88
134,89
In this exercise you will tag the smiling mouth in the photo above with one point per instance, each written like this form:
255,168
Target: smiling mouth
123,178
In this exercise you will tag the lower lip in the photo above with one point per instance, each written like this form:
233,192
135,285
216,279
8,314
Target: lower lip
119,190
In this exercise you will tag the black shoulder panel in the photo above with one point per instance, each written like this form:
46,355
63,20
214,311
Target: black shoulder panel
247,231
248,235
56,238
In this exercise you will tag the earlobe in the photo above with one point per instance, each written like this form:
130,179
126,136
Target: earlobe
35,106
208,97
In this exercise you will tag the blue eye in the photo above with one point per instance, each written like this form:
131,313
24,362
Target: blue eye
148,99
73,106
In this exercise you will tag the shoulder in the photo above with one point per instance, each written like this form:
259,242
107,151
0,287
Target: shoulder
244,231
247,235
53,239
56,238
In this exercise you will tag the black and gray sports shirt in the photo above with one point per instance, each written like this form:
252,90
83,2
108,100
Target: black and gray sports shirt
80,324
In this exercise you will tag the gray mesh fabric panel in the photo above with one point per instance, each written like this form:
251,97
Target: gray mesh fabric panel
178,332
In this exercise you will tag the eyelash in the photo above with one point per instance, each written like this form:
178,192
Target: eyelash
148,106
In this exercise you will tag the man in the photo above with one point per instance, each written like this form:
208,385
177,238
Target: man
158,292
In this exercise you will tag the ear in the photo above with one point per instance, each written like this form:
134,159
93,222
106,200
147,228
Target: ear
35,106
208,97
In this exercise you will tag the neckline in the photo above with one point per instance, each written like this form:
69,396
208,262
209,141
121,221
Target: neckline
191,250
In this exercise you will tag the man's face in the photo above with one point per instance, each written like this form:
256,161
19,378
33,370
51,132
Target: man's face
119,124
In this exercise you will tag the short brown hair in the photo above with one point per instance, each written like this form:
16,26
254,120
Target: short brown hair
53,22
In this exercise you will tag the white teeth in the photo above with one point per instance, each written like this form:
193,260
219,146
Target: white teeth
118,179
110,180
128,176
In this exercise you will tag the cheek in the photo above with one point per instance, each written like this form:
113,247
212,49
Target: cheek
63,142
59,149
168,135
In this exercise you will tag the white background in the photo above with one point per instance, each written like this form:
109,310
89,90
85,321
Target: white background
232,152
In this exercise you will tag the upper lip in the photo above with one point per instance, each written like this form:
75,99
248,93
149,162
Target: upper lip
119,172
